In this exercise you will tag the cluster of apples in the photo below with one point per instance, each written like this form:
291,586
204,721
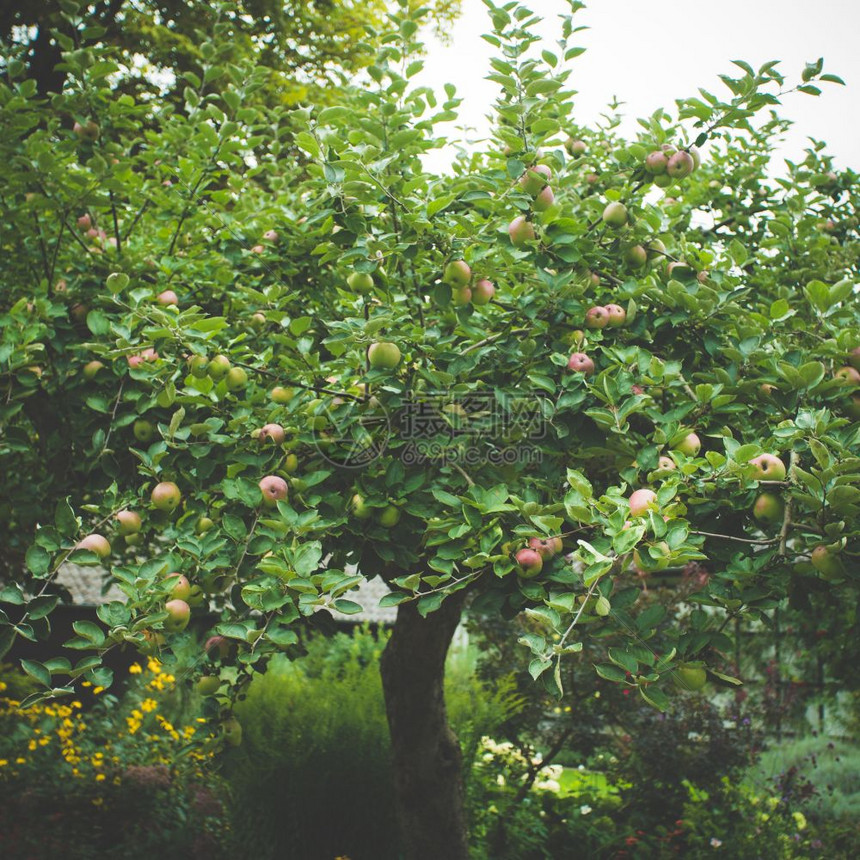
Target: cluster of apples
667,164
535,183
458,276
387,517
530,559
217,368
597,317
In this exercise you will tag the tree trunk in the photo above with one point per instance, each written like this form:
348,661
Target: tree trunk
428,763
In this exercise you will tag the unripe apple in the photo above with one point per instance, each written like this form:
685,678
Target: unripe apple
847,375
91,368
166,496
656,162
272,433
389,517
696,156
702,277
133,540
88,131
383,356
461,296
597,317
690,445
535,179
291,463
61,286
579,362
768,508
198,364
358,507
167,298
271,235
826,562
530,563
575,147
482,292
768,468
203,525
219,367
181,589
457,273
691,678
663,180
361,282
95,543
127,522
656,249
274,489
642,501
521,231
636,256
617,316
143,430
232,730
615,215
544,200
236,379
546,548
208,685
679,269
178,615
281,395
257,321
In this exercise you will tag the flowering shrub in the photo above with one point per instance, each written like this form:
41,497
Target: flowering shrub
120,777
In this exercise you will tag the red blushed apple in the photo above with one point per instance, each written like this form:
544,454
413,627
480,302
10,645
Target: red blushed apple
768,508
615,215
166,496
597,317
656,162
579,362
642,501
127,522
167,298
274,489
272,433
681,164
534,180
178,615
271,235
85,222
636,256
592,178
461,296
617,316
91,368
768,468
544,200
137,360
530,563
575,147
181,587
690,445
521,231
258,249
95,543
457,274
847,375
826,562
218,646
482,292
87,131
665,464
546,548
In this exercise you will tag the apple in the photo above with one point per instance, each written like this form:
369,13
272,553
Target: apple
178,615
768,508
592,178
232,731
702,277
257,321
236,379
219,367
258,249
696,156
281,395
543,200
854,358
546,548
91,368
636,256
199,365
208,685
665,464
847,375
78,312
617,316
88,131
768,468
530,562
272,433
143,430
534,180
166,496
656,249
359,508
691,678
361,282
690,445
167,298
679,269
457,273
767,389
575,147
389,517
127,522
383,356
482,292
663,180
656,162
291,463
597,317
681,164
139,358
218,646
61,286
181,589
85,222
642,501
203,525
274,489
579,362
461,296
615,215
95,543
521,231
826,562
271,235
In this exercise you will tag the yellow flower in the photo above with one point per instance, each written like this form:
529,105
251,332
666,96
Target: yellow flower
100,777
4,762
148,705
20,760
32,745
97,690
134,669
799,820
154,666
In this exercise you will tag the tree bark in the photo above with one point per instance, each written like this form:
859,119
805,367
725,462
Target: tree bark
428,762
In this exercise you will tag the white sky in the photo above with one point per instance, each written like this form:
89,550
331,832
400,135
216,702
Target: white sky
648,53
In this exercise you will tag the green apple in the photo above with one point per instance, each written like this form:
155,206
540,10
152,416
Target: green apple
636,256
615,215
203,525
360,282
232,731
198,365
457,273
389,516
143,430
208,685
826,562
768,508
166,496
383,356
768,468
127,522
236,379
281,395
359,508
218,367
91,368
178,615
691,678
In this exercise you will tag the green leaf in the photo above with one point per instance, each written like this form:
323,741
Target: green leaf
655,697
347,607
64,519
610,672
38,560
89,630
36,670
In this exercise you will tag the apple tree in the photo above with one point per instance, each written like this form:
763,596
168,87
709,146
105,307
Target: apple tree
255,355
